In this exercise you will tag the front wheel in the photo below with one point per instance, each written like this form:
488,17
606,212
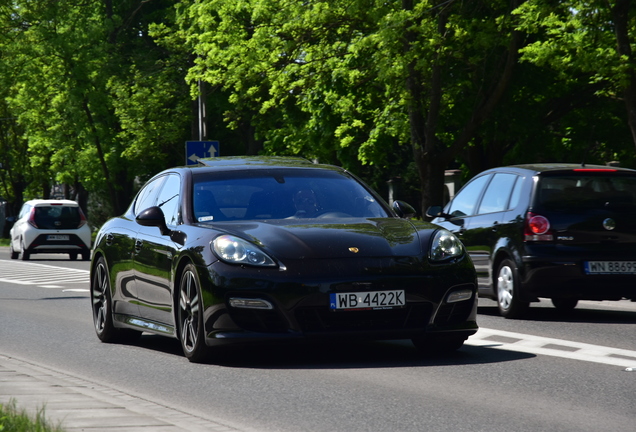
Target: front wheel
508,296
190,316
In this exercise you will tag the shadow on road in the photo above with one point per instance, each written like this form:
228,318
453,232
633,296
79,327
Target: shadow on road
381,354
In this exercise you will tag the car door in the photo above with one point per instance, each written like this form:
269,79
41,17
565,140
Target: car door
18,227
486,229
153,257
463,206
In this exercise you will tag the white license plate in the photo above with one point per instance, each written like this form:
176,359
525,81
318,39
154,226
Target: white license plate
57,237
368,300
610,267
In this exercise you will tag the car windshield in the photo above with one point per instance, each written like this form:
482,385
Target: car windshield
57,217
582,192
280,194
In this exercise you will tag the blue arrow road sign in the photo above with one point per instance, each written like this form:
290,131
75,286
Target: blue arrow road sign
196,150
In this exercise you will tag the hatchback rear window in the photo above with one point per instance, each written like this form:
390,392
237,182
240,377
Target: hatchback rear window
581,192
57,217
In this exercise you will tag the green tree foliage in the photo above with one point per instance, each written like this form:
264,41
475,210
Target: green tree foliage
375,83
100,93
585,47
99,102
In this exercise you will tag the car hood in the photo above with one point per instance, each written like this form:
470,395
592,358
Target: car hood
337,238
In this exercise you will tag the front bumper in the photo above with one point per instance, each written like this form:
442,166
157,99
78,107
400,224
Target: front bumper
300,300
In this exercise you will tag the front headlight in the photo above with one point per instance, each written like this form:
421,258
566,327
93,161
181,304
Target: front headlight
235,250
444,246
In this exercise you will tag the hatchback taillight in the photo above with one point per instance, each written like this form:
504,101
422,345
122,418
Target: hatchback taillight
82,218
537,228
31,220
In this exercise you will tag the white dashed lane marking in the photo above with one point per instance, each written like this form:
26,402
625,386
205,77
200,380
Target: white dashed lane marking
521,342
42,275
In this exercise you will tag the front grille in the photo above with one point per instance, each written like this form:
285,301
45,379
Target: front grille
321,319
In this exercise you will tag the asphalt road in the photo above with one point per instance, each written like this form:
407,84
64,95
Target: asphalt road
544,373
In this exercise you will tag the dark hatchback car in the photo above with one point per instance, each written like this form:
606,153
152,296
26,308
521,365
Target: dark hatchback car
560,231
242,250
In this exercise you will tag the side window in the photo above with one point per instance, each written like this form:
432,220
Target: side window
148,195
497,195
168,199
516,193
465,201
24,211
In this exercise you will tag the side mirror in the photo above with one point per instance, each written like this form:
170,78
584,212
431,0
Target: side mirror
434,211
153,217
403,210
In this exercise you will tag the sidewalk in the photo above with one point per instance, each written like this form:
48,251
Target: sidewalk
80,405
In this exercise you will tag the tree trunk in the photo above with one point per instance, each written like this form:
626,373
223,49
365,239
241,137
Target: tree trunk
620,14
423,110
117,208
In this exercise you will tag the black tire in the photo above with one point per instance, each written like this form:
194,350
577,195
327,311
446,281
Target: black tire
72,256
25,254
190,316
14,254
86,256
509,299
101,301
438,345
565,304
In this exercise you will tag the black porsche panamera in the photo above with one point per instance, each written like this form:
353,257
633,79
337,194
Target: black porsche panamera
241,250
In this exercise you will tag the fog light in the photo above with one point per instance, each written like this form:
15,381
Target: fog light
250,303
457,296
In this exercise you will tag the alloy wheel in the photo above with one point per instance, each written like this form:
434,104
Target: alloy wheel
100,300
505,287
189,312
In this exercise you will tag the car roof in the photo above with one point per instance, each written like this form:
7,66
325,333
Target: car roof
538,168
42,202
242,163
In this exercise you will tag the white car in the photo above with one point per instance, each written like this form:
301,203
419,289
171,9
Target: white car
50,226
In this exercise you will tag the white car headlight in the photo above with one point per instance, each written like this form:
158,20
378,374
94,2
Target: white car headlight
444,246
235,250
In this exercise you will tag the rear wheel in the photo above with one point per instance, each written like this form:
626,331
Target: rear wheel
72,256
25,253
101,300
508,296
86,256
565,304
14,254
190,316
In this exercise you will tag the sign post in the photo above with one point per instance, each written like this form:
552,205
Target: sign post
195,150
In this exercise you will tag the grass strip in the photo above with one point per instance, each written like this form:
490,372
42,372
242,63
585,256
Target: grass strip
14,420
